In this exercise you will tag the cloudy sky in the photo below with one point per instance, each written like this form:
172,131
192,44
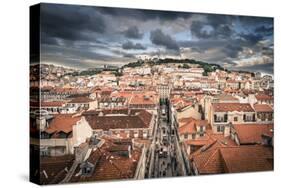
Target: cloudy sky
85,37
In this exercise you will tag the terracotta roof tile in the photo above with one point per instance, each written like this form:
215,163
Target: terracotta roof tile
247,158
81,100
62,123
54,168
230,107
263,97
218,158
188,125
52,103
110,165
262,108
140,119
252,133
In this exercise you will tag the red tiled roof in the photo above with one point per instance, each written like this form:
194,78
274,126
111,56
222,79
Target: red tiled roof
180,103
62,123
140,119
208,159
81,100
252,133
110,165
230,107
209,138
142,100
263,97
54,168
262,108
217,158
188,125
227,98
247,158
52,103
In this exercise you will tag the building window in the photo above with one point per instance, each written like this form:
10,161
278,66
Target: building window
220,128
254,117
225,117
193,136
218,118
269,117
263,117
235,118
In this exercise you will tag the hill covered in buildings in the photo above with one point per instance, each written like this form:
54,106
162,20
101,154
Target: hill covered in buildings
185,63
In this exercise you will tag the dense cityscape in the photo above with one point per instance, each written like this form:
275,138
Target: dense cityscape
118,93
148,119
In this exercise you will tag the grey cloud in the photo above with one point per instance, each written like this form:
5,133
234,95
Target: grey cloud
157,37
254,21
70,22
232,50
129,45
196,29
264,30
219,24
251,38
143,15
133,32
266,68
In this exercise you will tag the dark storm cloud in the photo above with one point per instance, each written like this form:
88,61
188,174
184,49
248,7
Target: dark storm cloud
133,32
267,51
129,55
254,21
265,68
202,45
45,39
264,30
129,45
157,37
232,50
251,38
70,22
215,26
76,34
143,15
74,53
197,29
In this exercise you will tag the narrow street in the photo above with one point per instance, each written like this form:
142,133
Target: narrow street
164,160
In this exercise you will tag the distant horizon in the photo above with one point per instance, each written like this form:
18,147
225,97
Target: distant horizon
83,69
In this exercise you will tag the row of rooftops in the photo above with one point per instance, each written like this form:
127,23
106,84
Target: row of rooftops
101,120
241,107
217,158
120,119
113,159
219,154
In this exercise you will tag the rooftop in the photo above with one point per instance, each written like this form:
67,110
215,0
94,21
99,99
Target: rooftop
230,107
81,100
109,165
263,108
252,133
62,123
133,119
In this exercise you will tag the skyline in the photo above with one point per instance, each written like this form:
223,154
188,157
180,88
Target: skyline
85,37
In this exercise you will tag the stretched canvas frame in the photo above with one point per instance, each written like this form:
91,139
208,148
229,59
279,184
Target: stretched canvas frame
128,94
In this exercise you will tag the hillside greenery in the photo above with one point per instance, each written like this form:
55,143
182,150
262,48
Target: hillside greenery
208,67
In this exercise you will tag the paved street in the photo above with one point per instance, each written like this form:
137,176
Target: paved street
163,160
